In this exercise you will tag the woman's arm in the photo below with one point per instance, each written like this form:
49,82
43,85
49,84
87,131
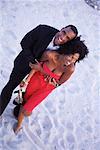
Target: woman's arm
66,74
26,80
30,75
64,77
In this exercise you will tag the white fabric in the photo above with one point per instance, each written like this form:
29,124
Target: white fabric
51,45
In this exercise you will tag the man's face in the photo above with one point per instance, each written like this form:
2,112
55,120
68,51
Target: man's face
63,36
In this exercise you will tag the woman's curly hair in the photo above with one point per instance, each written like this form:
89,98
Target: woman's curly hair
74,46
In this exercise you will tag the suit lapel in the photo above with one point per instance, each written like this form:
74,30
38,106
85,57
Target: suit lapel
43,44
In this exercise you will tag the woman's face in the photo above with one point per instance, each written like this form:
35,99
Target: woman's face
69,59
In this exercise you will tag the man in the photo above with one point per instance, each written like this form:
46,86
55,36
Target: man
33,45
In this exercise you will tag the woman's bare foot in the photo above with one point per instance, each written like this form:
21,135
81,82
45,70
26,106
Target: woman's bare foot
17,128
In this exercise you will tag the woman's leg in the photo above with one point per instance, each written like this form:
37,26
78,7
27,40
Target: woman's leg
21,116
37,98
37,90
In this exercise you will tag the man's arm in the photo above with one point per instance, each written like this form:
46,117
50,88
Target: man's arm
28,41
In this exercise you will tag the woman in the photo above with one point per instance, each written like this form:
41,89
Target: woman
53,70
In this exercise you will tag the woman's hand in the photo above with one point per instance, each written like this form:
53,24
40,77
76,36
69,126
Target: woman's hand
54,82
22,84
51,80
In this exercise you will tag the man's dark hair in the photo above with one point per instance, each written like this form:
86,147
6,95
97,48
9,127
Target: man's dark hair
74,46
74,29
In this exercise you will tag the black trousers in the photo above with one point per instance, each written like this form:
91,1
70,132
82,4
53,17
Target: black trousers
20,70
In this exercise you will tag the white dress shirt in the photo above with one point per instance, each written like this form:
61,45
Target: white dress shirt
51,46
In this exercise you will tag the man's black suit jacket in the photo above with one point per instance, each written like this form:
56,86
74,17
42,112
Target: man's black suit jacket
35,43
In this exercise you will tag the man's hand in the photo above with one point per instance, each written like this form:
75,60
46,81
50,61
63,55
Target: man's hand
36,67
